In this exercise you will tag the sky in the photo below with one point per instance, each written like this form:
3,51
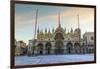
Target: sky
25,15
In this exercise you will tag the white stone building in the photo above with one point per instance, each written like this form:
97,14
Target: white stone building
89,41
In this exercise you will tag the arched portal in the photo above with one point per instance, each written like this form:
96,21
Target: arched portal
83,48
40,48
69,47
48,47
77,48
59,45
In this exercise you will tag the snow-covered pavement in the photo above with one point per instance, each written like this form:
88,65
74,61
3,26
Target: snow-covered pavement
48,59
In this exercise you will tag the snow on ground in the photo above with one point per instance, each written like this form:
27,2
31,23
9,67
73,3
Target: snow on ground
48,59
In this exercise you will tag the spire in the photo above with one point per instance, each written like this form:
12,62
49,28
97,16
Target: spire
79,29
45,30
71,30
36,23
65,30
59,19
38,30
53,30
78,20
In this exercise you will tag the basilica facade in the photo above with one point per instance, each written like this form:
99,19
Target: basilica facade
61,42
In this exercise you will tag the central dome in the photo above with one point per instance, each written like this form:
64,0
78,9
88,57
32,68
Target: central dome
59,29
59,33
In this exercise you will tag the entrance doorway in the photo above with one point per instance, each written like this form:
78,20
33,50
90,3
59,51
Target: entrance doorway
69,48
40,48
48,48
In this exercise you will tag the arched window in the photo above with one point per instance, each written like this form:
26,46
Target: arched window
59,36
40,48
48,47
69,47
77,47
92,38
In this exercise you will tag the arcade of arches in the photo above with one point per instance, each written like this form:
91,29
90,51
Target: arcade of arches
59,48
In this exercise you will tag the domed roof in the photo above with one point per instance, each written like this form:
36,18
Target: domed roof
77,29
59,29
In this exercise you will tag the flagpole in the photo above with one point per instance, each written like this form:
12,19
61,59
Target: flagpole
78,20
59,19
36,23
35,31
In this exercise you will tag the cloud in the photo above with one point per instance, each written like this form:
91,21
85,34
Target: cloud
29,17
25,21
